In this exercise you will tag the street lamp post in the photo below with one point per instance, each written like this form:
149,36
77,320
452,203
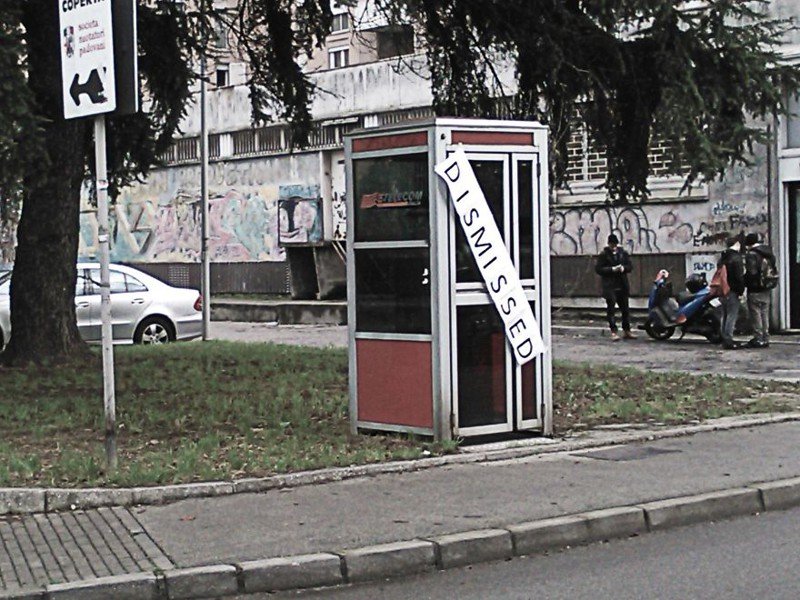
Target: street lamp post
205,282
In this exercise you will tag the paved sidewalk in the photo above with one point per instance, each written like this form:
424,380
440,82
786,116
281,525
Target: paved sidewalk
386,508
337,519
80,545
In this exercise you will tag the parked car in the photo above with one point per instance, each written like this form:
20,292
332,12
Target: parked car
144,310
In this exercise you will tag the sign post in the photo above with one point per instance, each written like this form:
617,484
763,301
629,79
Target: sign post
109,399
89,88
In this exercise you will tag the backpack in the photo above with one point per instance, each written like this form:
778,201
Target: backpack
719,283
760,272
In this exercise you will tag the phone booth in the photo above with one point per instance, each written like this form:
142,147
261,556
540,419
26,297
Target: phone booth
428,349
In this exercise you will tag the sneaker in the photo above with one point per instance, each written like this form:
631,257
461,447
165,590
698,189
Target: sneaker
628,335
754,343
614,336
731,345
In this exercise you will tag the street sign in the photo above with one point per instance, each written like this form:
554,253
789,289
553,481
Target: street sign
126,66
87,57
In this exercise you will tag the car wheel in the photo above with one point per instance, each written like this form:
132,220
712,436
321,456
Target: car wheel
154,330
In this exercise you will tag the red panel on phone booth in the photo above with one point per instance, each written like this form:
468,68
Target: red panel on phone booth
493,138
385,142
395,382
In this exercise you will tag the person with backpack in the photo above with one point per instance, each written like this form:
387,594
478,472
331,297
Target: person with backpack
761,277
613,265
731,259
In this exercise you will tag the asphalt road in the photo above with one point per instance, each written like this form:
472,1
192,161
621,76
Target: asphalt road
780,361
741,559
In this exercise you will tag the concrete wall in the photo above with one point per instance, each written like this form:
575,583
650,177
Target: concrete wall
739,202
697,228
787,9
159,220
386,85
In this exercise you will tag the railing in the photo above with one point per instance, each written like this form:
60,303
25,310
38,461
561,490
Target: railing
585,162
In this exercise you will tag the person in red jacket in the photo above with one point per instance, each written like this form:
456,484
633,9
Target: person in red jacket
613,265
734,265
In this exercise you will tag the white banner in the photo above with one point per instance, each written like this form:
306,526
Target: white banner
491,255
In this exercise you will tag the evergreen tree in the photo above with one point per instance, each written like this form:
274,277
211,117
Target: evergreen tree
45,159
702,75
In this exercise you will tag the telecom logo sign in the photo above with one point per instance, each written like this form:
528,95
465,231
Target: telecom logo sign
87,57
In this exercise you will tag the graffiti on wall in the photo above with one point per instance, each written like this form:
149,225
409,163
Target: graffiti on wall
160,219
299,215
705,264
714,232
339,208
695,227
243,227
585,230
8,237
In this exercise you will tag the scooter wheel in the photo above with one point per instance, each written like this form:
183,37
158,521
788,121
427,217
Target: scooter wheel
658,332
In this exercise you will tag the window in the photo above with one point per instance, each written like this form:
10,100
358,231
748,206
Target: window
338,57
395,41
222,75
81,284
116,282
220,35
92,282
793,122
340,23
134,285
491,176
393,290
391,198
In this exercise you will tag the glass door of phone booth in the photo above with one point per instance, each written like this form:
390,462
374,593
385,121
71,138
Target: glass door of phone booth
492,393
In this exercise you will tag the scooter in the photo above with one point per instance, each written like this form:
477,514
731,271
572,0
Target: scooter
692,311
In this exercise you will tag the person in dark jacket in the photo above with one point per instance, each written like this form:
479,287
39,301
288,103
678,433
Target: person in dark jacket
613,265
734,265
758,294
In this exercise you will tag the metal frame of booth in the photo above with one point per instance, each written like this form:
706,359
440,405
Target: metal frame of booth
410,296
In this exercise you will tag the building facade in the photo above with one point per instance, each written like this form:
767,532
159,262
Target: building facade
271,207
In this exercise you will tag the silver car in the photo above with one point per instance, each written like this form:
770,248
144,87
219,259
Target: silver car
144,310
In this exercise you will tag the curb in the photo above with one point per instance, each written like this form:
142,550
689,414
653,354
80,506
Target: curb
327,569
20,501
283,312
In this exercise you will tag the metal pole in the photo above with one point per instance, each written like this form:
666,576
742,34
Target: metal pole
109,402
205,283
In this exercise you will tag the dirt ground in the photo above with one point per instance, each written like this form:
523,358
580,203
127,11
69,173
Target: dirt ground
580,344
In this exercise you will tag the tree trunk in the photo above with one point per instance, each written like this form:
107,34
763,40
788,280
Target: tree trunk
43,327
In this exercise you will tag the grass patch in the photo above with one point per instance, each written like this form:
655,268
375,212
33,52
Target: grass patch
223,410
586,395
